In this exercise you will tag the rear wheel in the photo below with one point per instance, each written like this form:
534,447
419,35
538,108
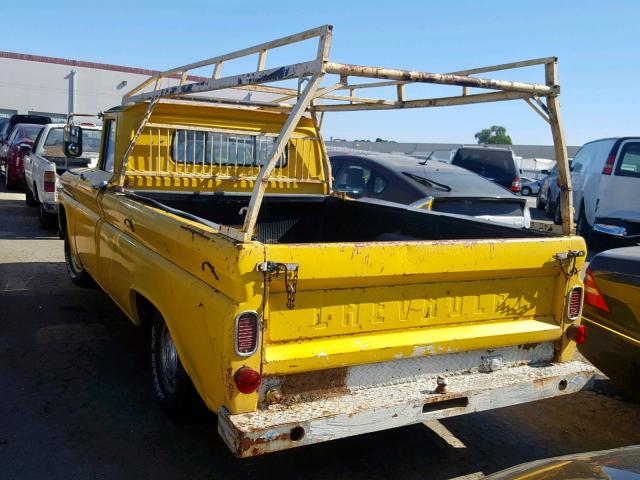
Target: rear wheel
9,184
47,220
557,214
78,274
549,208
29,198
526,191
583,228
591,238
171,384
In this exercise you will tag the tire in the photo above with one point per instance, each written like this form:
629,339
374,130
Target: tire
583,228
9,185
593,239
29,199
171,384
549,208
526,191
47,220
557,214
78,274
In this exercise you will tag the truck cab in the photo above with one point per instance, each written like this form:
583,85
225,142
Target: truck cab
46,162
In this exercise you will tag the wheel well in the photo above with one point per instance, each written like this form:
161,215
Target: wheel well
145,311
62,221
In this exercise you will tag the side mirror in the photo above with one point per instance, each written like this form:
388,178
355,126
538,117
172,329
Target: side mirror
72,140
24,148
544,172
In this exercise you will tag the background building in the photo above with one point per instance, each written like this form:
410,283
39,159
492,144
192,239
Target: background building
57,86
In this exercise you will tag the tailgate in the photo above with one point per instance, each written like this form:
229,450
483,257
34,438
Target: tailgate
373,302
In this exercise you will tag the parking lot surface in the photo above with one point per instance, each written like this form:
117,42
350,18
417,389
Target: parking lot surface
76,399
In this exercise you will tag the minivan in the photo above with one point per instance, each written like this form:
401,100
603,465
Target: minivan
606,190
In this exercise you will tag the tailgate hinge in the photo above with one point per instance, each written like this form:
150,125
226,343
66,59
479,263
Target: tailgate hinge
290,271
567,261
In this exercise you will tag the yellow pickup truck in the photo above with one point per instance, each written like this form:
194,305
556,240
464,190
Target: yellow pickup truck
296,315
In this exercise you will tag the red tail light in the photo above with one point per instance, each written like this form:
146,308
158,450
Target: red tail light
574,305
577,333
247,380
247,333
592,295
49,181
608,166
515,185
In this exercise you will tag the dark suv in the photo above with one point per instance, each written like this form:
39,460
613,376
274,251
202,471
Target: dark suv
496,164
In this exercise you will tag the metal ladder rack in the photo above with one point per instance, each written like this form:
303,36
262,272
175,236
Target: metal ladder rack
313,98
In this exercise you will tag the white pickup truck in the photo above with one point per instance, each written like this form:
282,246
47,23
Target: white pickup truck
46,162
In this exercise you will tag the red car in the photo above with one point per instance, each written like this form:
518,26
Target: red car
19,144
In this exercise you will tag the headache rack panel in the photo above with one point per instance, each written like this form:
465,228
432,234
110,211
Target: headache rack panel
313,97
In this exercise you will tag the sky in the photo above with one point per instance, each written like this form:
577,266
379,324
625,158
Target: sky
597,44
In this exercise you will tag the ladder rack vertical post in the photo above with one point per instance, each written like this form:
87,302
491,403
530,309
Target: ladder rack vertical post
560,146
276,152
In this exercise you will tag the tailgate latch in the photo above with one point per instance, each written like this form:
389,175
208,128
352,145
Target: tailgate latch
290,271
567,261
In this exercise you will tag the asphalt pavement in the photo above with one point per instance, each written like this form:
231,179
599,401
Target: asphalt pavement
76,399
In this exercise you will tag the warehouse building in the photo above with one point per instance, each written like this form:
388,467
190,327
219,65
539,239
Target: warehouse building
55,86
33,84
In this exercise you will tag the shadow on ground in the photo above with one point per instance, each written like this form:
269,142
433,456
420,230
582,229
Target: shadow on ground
76,400
77,403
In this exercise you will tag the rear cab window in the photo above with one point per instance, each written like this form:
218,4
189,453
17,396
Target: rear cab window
31,132
223,148
53,144
493,164
629,160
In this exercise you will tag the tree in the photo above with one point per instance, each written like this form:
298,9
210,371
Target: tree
494,135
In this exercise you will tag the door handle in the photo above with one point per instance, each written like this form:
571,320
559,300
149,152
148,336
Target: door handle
129,223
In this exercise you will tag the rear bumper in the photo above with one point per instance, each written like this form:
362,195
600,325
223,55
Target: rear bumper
50,207
617,230
280,427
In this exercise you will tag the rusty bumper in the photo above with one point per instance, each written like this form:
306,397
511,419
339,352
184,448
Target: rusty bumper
280,427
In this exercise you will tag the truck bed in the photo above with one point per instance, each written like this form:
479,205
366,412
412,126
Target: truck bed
326,219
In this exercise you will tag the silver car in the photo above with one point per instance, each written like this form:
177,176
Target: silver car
529,186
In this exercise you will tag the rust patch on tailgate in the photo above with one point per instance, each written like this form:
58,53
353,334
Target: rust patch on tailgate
309,386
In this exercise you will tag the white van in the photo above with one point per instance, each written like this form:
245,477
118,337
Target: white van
606,189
